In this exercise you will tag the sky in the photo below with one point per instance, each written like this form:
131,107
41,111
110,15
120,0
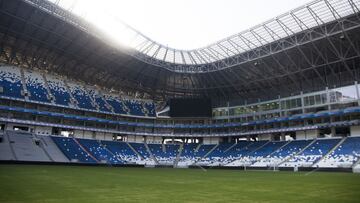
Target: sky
179,24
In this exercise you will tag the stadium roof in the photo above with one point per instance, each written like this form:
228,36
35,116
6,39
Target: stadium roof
309,48
213,57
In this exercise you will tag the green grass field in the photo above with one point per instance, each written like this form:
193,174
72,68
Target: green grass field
62,184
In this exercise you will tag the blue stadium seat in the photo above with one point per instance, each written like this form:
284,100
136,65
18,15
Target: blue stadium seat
36,86
58,90
72,150
10,81
82,96
135,107
99,152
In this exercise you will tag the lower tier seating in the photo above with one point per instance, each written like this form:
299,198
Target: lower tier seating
312,154
329,153
345,155
72,150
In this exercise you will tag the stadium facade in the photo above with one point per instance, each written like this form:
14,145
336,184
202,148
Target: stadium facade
285,92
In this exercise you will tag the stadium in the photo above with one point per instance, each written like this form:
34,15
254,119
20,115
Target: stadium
269,114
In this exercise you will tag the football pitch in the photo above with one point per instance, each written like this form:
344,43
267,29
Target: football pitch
63,184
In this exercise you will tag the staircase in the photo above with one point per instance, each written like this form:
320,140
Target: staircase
228,149
278,149
356,163
11,147
106,103
110,152
49,95
132,148
42,143
207,154
197,148
151,155
83,148
73,101
92,99
26,93
178,155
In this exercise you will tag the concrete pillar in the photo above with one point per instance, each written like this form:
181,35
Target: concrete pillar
282,136
333,132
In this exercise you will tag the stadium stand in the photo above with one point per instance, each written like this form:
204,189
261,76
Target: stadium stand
123,151
283,153
6,152
135,107
58,90
35,85
142,150
312,153
320,153
50,89
52,150
116,104
102,154
26,147
344,156
99,100
73,151
10,81
81,95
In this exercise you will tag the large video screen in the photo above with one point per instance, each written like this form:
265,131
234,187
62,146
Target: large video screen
190,107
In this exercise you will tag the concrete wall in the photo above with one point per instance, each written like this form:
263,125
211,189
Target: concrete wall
265,137
43,130
133,138
10,126
89,134
155,140
79,133
355,130
211,140
307,134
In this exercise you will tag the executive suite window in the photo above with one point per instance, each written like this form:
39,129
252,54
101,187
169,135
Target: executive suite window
315,99
291,103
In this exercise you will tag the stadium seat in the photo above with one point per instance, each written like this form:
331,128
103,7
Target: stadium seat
10,81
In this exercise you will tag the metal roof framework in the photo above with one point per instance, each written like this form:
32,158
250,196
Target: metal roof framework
307,49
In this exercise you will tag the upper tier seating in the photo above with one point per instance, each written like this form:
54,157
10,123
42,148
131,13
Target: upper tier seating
42,86
35,85
99,152
135,107
123,151
116,103
72,150
10,81
81,95
345,155
99,100
312,154
150,107
58,90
